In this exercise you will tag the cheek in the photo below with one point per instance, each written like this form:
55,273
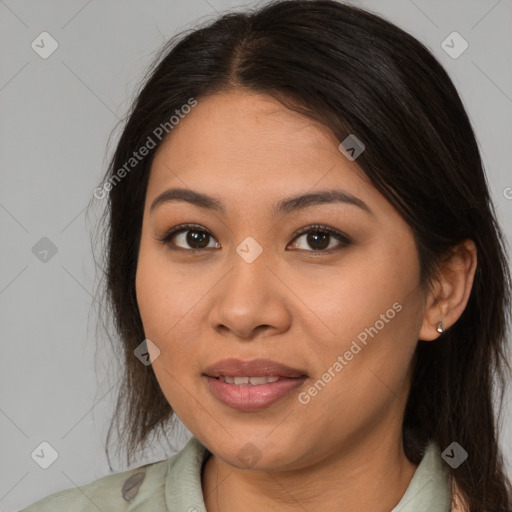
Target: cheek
169,302
151,296
166,307
163,295
368,288
370,312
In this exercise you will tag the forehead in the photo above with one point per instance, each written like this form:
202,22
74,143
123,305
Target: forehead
241,134
231,123
248,148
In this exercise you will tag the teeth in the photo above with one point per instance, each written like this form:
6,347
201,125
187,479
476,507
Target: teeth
254,381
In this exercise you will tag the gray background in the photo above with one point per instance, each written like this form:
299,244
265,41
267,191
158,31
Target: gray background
56,117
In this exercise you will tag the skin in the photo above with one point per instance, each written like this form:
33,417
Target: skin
342,451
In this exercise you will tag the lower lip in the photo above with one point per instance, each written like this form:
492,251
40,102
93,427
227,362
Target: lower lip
247,397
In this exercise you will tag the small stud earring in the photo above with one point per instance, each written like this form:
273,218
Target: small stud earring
440,327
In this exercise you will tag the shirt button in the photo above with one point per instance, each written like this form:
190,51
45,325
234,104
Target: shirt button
131,486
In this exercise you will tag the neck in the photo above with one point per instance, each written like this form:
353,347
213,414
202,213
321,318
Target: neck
374,475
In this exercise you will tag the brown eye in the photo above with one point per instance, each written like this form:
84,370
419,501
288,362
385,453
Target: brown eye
189,237
192,237
319,238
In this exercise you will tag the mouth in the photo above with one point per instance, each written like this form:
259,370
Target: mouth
251,381
254,368
252,385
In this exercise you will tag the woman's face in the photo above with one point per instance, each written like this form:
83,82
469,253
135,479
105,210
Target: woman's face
242,284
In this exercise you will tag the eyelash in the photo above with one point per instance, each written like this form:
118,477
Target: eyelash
316,228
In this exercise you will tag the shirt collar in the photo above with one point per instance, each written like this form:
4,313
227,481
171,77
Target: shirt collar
427,491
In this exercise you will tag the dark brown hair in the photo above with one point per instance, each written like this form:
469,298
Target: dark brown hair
357,74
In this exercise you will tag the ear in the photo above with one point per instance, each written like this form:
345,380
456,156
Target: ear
450,291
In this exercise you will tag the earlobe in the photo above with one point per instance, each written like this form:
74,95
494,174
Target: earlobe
434,313
447,300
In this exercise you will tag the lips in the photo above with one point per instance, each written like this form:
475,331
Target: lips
252,368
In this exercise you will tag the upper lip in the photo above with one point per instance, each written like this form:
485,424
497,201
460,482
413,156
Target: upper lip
251,368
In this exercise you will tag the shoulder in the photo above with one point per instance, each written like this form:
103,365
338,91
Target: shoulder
117,492
174,482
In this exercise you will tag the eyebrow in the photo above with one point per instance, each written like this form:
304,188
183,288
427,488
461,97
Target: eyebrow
281,208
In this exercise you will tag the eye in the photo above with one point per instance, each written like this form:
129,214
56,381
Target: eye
319,238
196,236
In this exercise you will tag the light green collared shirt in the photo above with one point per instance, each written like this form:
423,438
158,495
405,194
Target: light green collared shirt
174,485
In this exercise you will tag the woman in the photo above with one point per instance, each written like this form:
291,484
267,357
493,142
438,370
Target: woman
302,244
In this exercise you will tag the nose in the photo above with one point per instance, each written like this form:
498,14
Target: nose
250,301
